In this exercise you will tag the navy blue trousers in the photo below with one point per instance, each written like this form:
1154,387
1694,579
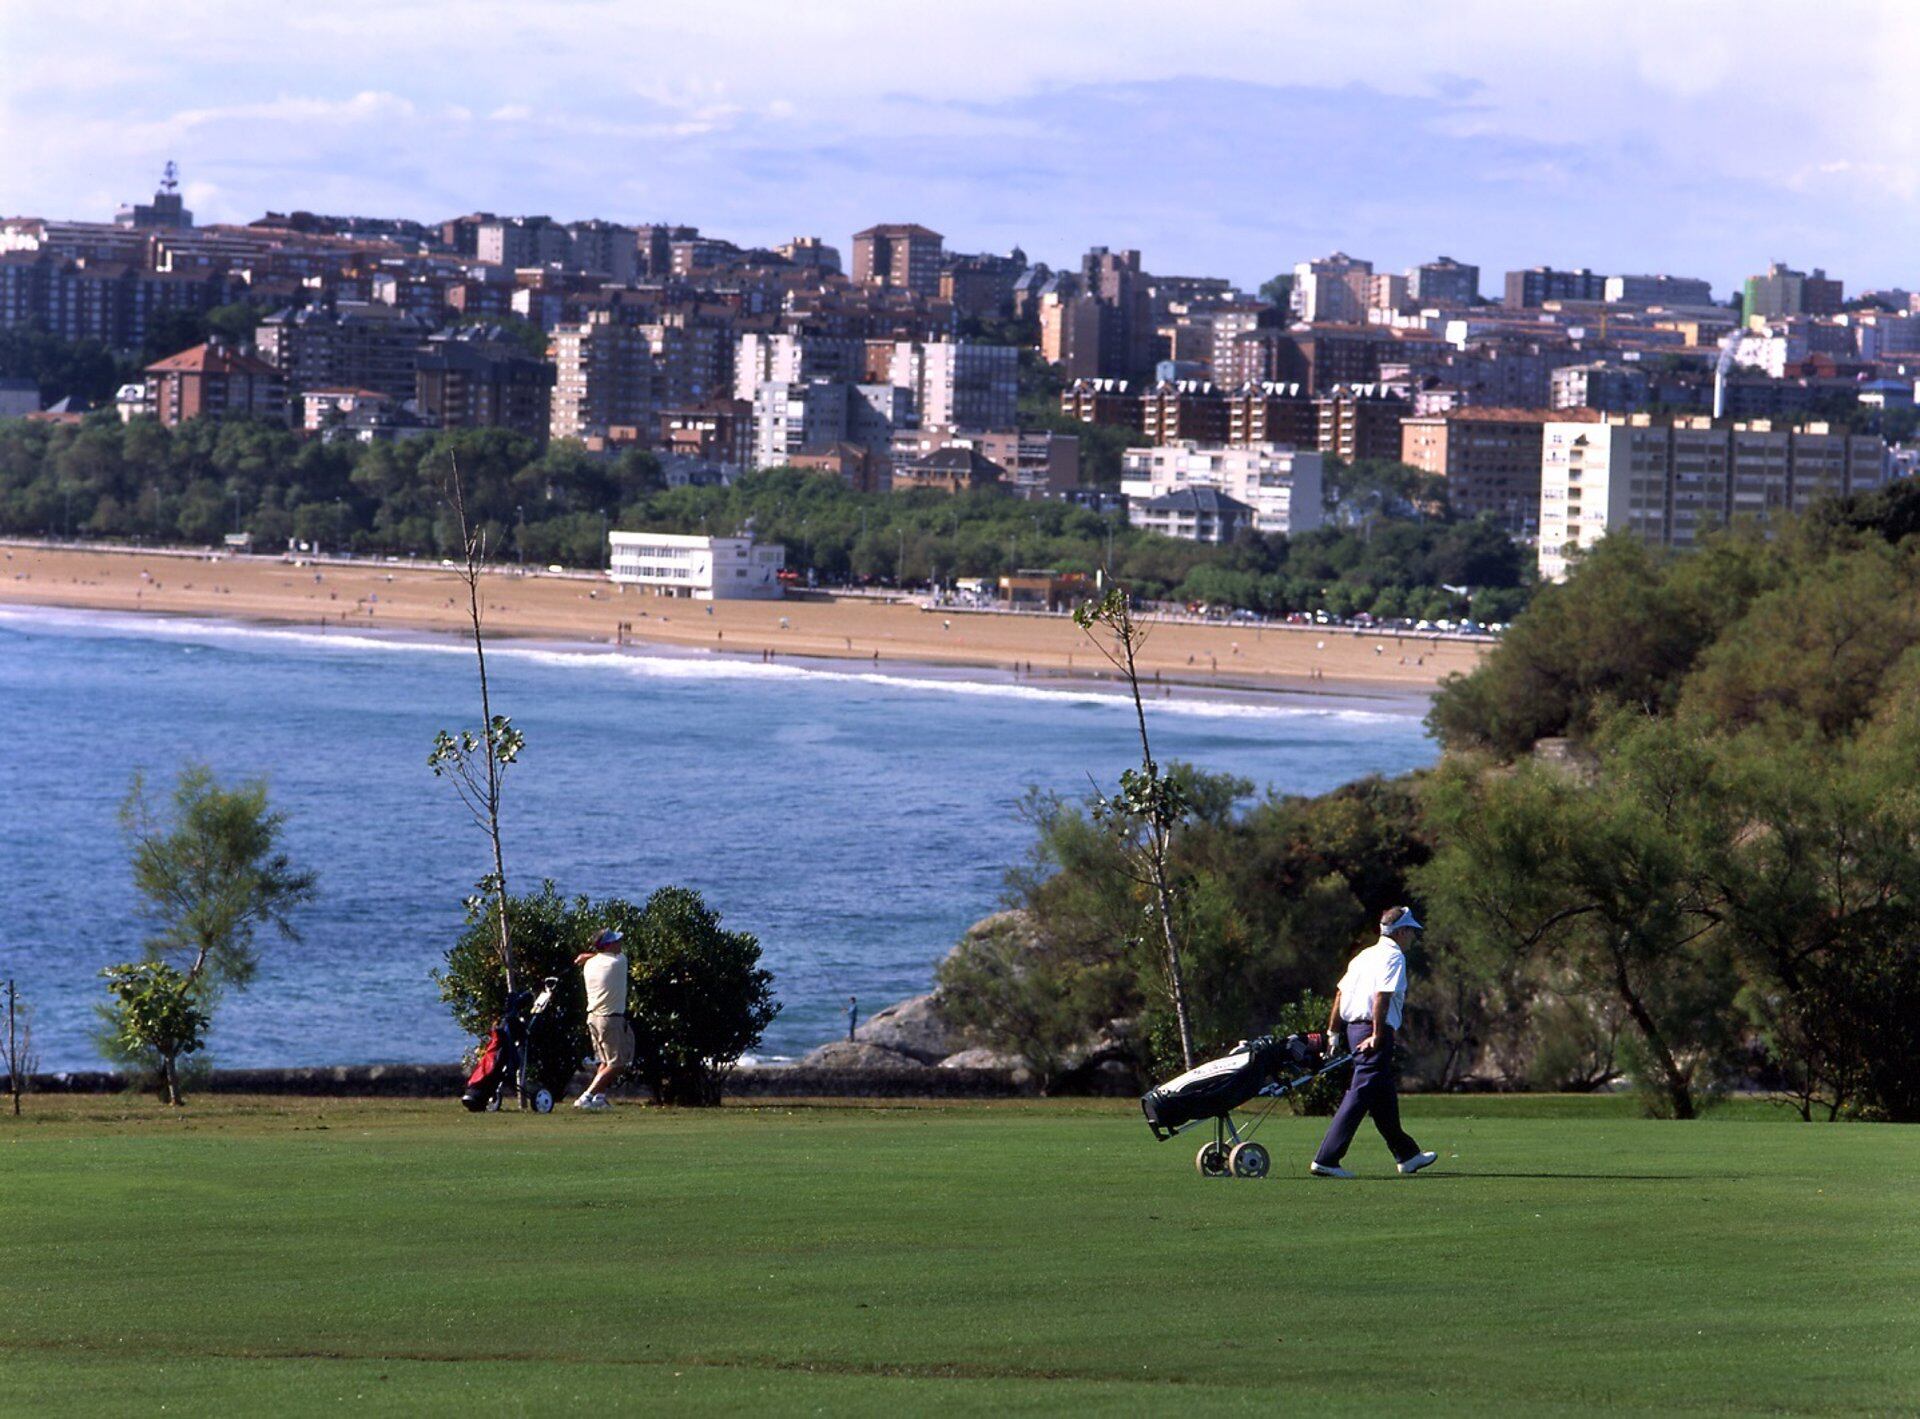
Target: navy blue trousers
1370,1092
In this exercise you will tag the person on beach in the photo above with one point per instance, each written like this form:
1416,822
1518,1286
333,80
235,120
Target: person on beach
603,966
1366,1009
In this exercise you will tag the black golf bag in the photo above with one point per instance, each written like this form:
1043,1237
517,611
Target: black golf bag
1214,1089
505,1060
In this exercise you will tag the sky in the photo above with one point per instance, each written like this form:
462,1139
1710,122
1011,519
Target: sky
1696,137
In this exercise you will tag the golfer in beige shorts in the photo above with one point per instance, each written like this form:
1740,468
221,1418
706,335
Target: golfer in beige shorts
604,967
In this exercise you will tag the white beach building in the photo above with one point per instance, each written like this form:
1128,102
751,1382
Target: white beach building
703,568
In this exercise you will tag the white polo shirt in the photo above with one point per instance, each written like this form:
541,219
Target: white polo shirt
1380,967
606,975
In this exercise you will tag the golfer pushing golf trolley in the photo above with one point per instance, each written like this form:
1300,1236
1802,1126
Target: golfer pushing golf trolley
1266,1068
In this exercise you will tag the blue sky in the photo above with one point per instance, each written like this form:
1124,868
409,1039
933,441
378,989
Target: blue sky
1700,137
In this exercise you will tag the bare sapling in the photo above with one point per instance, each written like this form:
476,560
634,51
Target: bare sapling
476,764
1150,804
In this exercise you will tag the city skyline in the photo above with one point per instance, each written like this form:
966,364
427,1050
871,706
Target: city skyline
1644,141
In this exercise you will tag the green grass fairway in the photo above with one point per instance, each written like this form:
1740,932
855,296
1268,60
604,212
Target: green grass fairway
1563,1257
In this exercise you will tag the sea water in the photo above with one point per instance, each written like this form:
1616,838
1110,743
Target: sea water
856,823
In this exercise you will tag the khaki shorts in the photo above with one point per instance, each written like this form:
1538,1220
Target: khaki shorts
612,1038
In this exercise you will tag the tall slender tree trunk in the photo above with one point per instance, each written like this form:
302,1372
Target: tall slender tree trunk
1159,845
1679,1092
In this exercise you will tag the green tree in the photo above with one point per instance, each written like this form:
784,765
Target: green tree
213,873
1591,885
154,1014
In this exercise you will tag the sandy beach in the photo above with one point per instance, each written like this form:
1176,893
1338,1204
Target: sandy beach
398,596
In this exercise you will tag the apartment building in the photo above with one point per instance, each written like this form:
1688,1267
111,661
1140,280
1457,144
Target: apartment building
604,375
1490,459
1198,514
1445,283
904,255
1784,292
1361,421
1272,412
781,358
797,416
350,345
1533,288
214,381
1335,289
1670,483
1191,409
1283,486
958,383
1658,290
698,568
473,378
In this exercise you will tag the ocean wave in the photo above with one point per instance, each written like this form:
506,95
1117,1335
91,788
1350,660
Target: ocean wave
693,664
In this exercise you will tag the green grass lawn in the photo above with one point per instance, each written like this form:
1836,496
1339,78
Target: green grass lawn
1563,1257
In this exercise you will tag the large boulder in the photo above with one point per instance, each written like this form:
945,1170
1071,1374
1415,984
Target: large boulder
859,1054
915,1028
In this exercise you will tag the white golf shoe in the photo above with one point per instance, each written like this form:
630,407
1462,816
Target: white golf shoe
1417,1162
591,1102
1328,1170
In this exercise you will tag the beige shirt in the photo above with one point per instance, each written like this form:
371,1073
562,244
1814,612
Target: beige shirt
606,975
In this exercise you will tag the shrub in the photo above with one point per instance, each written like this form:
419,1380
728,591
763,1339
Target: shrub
1303,1016
697,996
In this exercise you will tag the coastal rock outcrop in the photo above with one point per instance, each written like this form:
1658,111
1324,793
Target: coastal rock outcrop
914,1027
859,1054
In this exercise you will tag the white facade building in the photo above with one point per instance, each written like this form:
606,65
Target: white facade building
792,417
1670,484
1280,483
702,568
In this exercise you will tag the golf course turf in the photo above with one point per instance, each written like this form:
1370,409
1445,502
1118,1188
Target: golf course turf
1564,1256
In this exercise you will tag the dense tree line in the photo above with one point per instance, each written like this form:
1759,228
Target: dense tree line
197,482
1674,840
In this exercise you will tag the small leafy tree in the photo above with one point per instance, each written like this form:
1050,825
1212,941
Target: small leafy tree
476,763
699,997
154,1013
1302,1017
1149,805
213,872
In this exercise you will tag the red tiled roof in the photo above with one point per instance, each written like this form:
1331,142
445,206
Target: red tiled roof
212,359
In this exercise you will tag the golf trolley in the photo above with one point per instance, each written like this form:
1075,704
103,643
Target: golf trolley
1266,1068
506,1059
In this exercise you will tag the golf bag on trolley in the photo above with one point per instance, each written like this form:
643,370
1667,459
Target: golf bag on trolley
506,1059
1269,1068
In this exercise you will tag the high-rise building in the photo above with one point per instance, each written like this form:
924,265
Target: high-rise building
1658,290
793,359
521,241
1335,289
604,377
1784,292
603,248
473,378
1671,482
1489,457
350,345
1445,283
1532,288
904,255
958,384
797,416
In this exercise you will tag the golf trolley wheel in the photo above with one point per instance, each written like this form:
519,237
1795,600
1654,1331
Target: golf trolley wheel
493,1104
1211,1161
1248,1160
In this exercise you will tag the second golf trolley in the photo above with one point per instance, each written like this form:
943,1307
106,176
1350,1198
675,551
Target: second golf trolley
1267,1068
